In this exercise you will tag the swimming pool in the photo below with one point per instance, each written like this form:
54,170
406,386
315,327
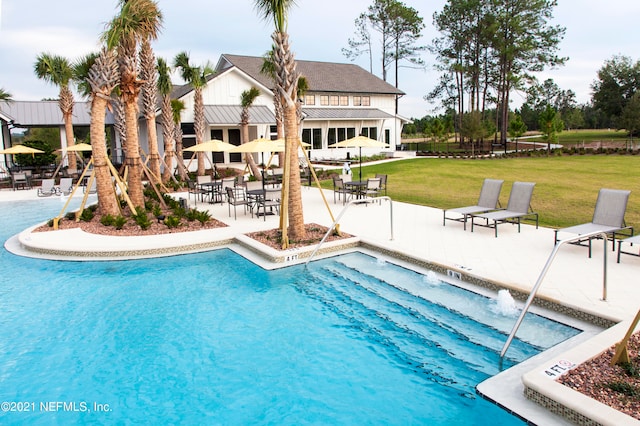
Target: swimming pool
211,338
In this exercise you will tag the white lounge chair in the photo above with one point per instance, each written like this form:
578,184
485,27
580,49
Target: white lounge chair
518,207
47,188
66,186
608,217
487,201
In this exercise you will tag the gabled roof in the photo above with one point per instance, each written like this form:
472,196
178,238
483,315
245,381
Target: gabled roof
321,76
47,113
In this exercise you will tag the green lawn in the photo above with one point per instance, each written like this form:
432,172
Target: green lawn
565,193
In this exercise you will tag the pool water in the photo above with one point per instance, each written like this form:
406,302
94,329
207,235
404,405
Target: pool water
211,338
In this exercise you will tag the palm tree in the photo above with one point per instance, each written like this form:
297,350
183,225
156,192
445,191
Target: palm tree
197,77
177,106
5,96
102,78
149,75
138,20
286,84
246,100
168,132
269,69
58,71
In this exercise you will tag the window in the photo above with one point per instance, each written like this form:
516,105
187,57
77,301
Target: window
341,133
312,136
334,100
344,101
357,100
309,99
188,138
370,132
324,100
366,101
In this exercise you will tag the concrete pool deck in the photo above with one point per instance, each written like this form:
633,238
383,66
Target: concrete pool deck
513,260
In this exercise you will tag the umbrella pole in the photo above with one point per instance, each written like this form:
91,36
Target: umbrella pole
360,172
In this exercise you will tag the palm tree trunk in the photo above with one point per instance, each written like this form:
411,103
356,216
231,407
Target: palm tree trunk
133,161
154,156
248,156
68,129
199,126
168,136
296,217
107,201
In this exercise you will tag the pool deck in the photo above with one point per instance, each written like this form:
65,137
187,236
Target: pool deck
512,260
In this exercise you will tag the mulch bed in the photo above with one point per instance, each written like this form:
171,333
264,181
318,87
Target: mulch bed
315,233
593,378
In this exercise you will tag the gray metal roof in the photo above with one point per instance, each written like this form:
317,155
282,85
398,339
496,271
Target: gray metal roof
230,114
344,114
47,113
321,76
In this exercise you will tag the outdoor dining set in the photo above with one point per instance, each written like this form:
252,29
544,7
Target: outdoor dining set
261,198
346,189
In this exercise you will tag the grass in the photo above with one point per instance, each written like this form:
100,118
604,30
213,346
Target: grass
572,137
565,193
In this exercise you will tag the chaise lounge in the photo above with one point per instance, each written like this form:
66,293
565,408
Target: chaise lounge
608,217
487,201
518,207
47,188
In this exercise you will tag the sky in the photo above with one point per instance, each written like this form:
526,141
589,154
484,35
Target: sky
318,30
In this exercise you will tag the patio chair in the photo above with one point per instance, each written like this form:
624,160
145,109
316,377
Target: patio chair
270,199
194,189
631,240
235,199
48,188
340,189
608,217
90,189
518,207
373,187
383,182
487,201
20,181
66,186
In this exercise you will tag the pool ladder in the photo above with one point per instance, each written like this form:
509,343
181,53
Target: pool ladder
535,288
349,204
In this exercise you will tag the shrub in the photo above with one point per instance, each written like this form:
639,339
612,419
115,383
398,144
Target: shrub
86,215
172,221
192,215
107,220
119,221
202,216
142,219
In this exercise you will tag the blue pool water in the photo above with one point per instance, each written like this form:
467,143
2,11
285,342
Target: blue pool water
212,339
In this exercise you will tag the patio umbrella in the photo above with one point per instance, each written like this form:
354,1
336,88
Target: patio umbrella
360,142
263,145
78,147
21,149
214,145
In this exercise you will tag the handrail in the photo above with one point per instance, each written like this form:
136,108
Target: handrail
534,290
335,222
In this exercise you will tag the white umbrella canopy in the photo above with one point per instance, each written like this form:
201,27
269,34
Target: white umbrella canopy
214,145
264,145
260,145
359,142
78,147
21,149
